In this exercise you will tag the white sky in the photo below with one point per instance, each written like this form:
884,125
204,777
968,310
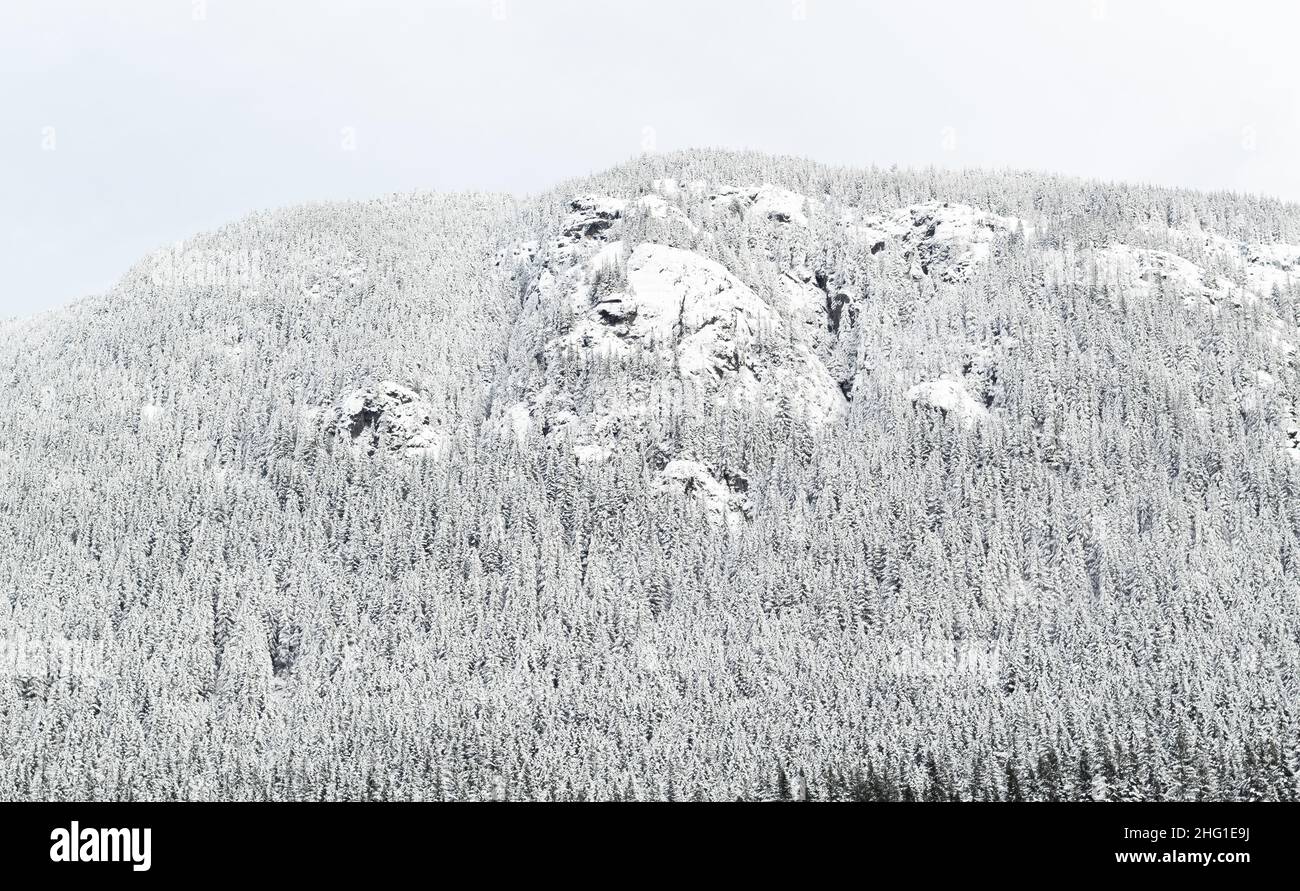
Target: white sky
173,116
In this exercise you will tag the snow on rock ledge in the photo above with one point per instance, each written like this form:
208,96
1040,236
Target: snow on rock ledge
390,418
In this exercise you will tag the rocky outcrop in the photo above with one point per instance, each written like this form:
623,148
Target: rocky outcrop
767,201
590,216
646,323
1147,272
723,500
703,328
693,332
950,398
387,419
938,239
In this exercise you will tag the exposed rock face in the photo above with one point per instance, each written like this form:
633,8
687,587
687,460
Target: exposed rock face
590,216
390,418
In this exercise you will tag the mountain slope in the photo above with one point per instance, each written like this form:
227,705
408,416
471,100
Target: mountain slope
713,475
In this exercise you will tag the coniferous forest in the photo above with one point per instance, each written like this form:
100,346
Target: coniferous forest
712,476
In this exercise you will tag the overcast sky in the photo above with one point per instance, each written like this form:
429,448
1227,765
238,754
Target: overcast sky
129,125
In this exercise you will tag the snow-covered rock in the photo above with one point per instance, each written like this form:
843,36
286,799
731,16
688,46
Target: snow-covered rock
766,201
722,500
522,252
1146,271
780,205
660,209
949,397
693,332
939,239
1284,257
666,186
1268,266
1291,430
1258,266
390,418
591,215
709,329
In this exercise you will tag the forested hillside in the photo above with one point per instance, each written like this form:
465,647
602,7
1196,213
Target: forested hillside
712,476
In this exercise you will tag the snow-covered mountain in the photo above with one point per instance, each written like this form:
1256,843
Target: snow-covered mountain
712,475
